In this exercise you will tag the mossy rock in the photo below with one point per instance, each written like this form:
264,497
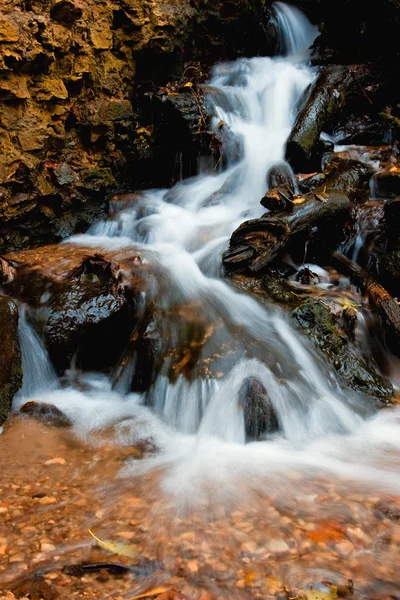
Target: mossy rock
10,364
318,323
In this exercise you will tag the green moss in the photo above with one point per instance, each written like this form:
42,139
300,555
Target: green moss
316,320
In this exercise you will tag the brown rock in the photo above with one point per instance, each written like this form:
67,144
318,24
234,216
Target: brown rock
32,139
8,30
49,88
14,87
66,11
10,364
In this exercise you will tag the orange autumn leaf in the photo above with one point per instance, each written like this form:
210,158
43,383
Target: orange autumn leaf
171,594
249,578
327,532
159,591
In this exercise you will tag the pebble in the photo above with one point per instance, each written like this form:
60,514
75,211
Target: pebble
344,548
46,547
277,546
56,461
47,500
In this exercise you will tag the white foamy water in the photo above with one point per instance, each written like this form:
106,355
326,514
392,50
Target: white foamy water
197,422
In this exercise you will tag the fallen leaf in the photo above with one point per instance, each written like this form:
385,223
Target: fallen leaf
321,591
115,547
153,592
327,532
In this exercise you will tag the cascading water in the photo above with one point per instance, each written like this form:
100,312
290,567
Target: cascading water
39,375
182,233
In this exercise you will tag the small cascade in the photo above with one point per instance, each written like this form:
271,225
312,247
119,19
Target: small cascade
367,225
296,34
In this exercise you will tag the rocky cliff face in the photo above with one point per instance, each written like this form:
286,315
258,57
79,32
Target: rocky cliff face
70,70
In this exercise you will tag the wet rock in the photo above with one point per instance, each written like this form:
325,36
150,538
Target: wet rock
87,303
259,415
360,130
280,176
277,200
389,269
181,127
34,587
256,243
323,102
279,290
7,271
386,184
378,297
232,150
342,174
391,510
46,413
120,202
318,323
307,277
10,364
386,249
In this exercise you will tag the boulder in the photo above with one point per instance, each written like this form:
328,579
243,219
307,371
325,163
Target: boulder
335,90
86,303
45,413
315,319
10,364
259,414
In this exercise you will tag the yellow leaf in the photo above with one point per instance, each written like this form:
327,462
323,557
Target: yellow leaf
145,130
115,547
329,593
152,592
188,84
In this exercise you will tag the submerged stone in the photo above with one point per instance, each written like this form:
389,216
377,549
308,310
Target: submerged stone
46,413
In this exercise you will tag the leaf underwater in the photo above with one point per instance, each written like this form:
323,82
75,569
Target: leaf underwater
153,592
115,547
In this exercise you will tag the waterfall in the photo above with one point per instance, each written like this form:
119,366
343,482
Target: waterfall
185,230
38,374
196,419
296,34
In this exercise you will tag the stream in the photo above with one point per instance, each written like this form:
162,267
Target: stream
223,515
